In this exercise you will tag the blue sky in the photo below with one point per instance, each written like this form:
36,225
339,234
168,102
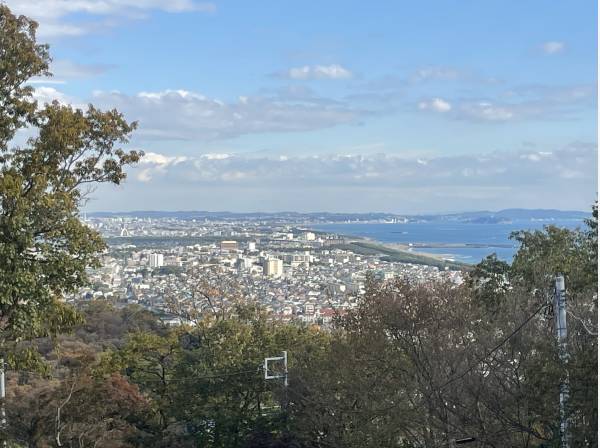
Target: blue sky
339,105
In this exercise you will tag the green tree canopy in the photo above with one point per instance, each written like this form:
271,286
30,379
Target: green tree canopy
206,381
44,246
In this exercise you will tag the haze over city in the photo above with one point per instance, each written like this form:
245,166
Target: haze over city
336,106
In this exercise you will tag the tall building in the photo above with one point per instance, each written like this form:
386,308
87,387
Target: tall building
244,263
156,260
228,246
295,259
273,267
308,236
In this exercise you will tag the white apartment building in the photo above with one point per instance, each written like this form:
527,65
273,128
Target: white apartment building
156,260
273,267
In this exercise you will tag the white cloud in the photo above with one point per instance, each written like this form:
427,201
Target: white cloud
51,28
376,170
523,103
153,163
333,71
63,70
215,156
152,158
562,178
553,47
185,115
536,156
436,73
486,111
55,16
436,105
46,94
45,81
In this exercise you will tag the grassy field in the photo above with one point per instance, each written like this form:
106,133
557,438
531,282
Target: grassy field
362,247
398,256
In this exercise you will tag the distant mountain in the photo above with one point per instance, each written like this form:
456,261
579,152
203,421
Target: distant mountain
476,217
512,214
520,213
224,215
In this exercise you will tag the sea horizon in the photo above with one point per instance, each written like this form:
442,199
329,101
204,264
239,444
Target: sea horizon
455,241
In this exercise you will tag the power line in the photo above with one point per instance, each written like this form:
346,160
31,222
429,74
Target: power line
496,347
585,327
191,378
204,377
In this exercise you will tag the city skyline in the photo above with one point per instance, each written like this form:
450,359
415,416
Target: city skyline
343,107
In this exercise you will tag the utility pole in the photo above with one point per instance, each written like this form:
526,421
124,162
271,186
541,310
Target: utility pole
4,428
560,318
283,375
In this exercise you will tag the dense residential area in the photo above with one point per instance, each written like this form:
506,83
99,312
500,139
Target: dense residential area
293,274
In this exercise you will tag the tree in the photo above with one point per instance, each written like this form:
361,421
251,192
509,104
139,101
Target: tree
489,280
79,410
544,253
70,400
381,382
21,58
206,383
204,293
44,246
540,257
419,365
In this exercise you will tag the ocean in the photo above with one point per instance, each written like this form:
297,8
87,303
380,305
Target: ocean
489,238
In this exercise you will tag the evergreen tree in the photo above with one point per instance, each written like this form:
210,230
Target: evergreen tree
44,246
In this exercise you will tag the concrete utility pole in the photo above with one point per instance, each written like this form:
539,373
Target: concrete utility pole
284,375
3,403
560,318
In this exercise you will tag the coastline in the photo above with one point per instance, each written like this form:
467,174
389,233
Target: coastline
395,252
397,247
